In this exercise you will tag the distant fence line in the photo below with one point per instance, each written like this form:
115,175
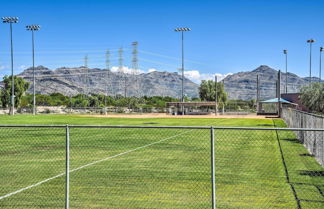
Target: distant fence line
229,108
313,141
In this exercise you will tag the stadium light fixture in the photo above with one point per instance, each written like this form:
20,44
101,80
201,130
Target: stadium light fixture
310,41
33,28
182,67
11,20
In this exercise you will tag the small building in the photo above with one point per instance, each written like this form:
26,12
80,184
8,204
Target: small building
191,108
270,106
294,98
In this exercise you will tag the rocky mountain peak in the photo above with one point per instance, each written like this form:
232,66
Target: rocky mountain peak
264,69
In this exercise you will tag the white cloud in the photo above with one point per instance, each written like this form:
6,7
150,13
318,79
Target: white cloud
125,69
22,67
197,77
2,67
152,70
193,75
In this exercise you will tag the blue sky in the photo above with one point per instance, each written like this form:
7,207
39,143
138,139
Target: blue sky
227,36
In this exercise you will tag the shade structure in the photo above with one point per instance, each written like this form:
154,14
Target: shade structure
275,100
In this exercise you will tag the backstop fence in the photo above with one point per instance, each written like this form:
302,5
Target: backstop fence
158,167
313,141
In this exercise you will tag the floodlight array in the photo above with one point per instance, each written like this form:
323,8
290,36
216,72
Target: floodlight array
182,29
33,27
310,41
10,19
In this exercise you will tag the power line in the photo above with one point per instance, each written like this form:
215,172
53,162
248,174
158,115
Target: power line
170,57
159,63
67,52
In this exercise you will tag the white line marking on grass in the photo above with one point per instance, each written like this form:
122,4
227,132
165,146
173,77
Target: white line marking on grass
87,165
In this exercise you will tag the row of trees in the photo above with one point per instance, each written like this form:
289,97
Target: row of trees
206,93
312,97
56,99
96,101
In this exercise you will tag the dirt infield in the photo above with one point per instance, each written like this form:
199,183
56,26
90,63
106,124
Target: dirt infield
163,115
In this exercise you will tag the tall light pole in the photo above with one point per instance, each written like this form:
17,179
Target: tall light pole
33,28
286,56
216,105
182,65
320,70
11,20
310,41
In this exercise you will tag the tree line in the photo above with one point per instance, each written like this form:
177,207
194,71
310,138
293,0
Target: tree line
311,96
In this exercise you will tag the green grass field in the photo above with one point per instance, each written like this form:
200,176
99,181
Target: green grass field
155,168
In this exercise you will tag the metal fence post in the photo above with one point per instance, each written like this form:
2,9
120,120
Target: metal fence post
67,167
213,167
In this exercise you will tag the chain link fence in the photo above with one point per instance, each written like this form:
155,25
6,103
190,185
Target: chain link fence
313,141
157,167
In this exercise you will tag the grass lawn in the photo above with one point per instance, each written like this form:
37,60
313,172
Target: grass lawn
155,168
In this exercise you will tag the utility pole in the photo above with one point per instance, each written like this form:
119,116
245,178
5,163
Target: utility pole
258,94
286,55
216,105
320,70
279,93
11,20
182,64
33,28
310,41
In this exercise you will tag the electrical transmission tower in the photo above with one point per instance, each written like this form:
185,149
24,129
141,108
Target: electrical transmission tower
120,69
86,73
108,59
135,69
108,84
86,61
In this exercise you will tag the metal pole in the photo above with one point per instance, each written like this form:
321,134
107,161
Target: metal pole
279,94
67,168
286,73
216,106
34,78
12,75
320,70
258,93
182,91
125,93
213,168
310,63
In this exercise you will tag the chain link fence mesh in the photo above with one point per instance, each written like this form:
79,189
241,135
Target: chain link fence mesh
32,167
266,169
141,167
313,141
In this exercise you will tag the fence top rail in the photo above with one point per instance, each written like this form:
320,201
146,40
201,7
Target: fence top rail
307,113
160,127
